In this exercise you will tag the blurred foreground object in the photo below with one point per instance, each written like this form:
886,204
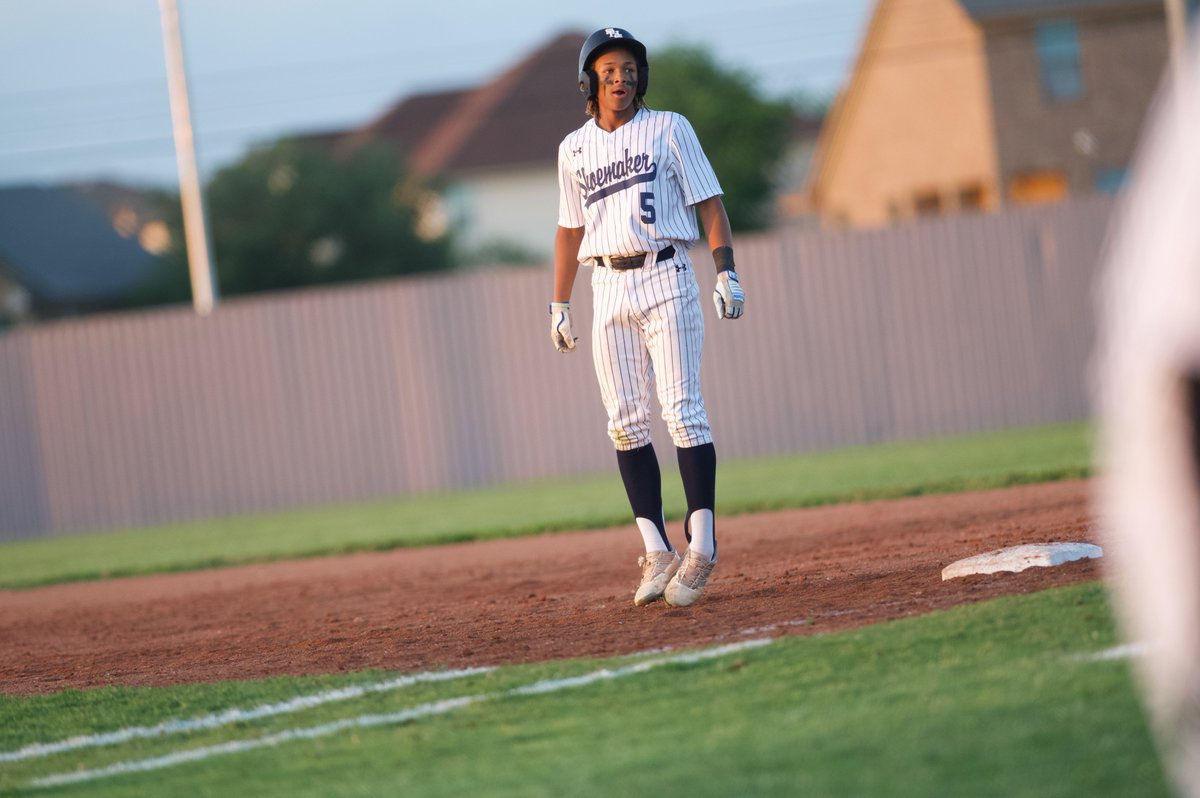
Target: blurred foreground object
1148,365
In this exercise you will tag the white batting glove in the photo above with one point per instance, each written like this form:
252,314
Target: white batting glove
728,295
560,327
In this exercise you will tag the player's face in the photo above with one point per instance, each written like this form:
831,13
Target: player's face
617,73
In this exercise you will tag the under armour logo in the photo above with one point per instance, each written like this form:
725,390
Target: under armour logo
680,267
576,150
613,33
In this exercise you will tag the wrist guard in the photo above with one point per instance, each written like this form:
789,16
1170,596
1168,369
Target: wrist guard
723,257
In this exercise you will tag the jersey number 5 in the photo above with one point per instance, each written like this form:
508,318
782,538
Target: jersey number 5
647,199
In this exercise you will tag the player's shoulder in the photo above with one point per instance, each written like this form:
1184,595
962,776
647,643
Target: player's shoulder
678,121
669,121
576,136
648,116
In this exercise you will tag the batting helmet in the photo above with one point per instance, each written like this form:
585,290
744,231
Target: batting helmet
608,39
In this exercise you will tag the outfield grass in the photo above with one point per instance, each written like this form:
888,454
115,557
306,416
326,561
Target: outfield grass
994,699
901,469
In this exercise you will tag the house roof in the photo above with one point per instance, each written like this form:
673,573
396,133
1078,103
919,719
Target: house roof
805,125
986,10
515,119
59,245
406,124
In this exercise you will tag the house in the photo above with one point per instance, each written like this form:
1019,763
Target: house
1070,82
965,105
495,145
73,249
495,150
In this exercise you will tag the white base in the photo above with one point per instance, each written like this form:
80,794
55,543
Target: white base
1018,558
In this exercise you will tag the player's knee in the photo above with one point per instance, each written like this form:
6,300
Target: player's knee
692,432
625,439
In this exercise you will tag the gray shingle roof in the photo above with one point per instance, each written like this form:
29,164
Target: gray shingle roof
995,9
63,249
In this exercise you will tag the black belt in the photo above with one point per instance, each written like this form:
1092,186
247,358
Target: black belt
626,262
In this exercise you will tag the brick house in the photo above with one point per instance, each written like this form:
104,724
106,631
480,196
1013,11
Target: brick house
961,105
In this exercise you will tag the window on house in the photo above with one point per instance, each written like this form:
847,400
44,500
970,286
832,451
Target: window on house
1058,56
839,220
927,203
970,198
1110,180
1035,188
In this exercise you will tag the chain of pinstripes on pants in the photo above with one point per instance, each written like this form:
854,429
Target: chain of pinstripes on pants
648,329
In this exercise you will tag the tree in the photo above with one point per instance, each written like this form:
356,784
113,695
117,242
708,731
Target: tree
291,215
743,134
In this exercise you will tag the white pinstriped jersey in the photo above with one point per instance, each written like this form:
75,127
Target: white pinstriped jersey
632,189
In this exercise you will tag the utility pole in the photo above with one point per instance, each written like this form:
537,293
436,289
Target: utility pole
195,229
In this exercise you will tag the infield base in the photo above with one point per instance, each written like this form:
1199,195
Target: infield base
1018,558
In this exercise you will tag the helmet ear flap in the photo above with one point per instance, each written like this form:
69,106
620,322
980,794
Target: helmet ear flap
643,78
589,82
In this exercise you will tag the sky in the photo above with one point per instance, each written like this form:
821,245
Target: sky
83,93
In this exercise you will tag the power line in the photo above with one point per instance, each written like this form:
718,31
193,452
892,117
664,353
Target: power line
916,52
806,66
919,51
457,49
202,110
304,98
138,141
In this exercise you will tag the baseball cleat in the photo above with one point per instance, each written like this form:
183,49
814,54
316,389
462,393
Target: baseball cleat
686,587
657,569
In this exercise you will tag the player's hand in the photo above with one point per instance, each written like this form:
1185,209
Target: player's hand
560,327
728,295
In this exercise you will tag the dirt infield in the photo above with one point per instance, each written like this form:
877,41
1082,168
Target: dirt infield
528,599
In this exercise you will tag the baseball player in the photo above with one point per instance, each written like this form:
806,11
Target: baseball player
631,182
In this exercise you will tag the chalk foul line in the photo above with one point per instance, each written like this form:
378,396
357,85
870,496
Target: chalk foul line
1134,650
233,715
390,719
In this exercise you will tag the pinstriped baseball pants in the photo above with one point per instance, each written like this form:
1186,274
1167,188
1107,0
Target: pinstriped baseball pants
647,328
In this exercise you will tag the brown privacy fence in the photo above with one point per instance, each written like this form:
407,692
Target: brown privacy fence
947,326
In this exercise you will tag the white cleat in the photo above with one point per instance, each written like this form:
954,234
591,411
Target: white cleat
657,569
687,586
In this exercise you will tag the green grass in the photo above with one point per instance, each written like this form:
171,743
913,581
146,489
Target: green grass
900,469
992,699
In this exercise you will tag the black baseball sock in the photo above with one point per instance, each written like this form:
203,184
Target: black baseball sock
698,470
643,484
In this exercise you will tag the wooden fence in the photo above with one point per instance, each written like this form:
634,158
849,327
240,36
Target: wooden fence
940,327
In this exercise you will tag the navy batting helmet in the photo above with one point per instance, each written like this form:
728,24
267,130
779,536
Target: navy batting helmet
608,39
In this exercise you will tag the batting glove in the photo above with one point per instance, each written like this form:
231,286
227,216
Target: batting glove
728,295
560,327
